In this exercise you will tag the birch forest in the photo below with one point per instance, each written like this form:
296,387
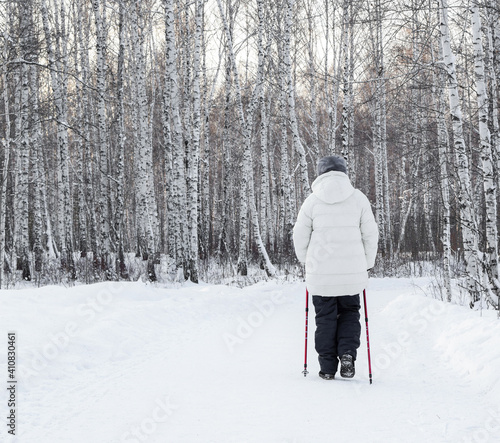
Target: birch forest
175,140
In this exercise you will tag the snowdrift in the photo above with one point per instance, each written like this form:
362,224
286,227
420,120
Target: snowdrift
131,362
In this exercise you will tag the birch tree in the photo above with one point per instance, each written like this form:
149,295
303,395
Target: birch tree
205,214
304,175
120,169
147,220
347,98
311,43
23,146
56,46
265,199
225,189
195,150
332,88
99,7
37,177
493,39
89,240
81,234
6,146
443,156
378,129
178,188
286,208
464,194
489,185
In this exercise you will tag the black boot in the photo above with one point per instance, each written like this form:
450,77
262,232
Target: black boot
347,366
326,376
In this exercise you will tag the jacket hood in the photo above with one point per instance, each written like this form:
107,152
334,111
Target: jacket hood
332,187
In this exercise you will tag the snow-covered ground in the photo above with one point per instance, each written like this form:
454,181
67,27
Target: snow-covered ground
129,362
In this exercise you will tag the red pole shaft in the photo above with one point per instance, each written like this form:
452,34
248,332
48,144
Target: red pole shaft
305,350
367,338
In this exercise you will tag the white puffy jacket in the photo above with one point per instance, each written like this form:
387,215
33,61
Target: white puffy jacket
336,236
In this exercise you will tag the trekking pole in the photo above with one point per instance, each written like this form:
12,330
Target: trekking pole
305,372
367,338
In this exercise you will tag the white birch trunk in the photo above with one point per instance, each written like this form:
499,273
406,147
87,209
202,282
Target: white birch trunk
378,149
333,91
265,204
494,73
88,217
57,60
353,167
311,43
465,196
178,152
67,206
347,134
206,223
6,141
21,196
489,184
120,169
443,150
81,235
384,160
346,104
378,129
169,148
326,83
169,195
286,211
299,148
16,141
274,208
185,78
387,228
495,31
222,249
146,204
195,150
99,7
37,174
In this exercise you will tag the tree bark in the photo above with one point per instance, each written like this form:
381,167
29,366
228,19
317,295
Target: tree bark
465,195
489,184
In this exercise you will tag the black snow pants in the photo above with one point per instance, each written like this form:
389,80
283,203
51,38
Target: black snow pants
338,329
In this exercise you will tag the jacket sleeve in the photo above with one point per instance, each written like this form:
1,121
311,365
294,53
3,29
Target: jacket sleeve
369,233
302,231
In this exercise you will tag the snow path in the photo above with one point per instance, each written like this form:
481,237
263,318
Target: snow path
128,362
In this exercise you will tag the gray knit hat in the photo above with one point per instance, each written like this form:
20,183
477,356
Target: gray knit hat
332,163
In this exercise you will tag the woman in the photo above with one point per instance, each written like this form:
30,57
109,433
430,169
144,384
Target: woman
336,236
